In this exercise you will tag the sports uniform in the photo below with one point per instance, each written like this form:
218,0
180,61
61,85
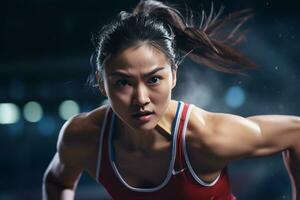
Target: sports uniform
181,181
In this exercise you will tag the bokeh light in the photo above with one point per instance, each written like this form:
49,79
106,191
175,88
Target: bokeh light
9,113
235,97
33,111
68,109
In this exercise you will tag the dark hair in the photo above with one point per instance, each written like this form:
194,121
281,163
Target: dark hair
208,41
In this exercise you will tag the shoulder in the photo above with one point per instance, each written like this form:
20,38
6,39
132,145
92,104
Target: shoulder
79,135
210,130
211,122
217,138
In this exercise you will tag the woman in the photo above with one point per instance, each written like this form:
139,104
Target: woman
145,145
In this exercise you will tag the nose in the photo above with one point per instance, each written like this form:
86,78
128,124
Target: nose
140,96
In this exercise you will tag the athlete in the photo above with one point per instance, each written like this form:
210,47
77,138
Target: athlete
145,145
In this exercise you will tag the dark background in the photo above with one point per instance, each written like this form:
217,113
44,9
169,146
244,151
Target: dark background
45,48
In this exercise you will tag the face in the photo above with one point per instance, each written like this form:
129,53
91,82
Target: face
139,79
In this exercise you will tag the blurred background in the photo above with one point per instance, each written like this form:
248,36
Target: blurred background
45,47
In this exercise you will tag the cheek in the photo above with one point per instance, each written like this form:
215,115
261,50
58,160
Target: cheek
118,98
161,94
119,102
164,91
161,97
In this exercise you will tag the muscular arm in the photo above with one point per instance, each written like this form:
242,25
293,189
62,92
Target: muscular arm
60,180
229,137
286,130
255,136
63,173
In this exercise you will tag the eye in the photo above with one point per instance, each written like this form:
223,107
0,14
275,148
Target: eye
121,83
155,79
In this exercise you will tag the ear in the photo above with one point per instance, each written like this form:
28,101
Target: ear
174,77
100,83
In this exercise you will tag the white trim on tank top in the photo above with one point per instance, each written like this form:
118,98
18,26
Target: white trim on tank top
171,165
200,181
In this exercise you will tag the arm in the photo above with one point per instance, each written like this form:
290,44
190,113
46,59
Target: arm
63,173
291,155
228,137
60,180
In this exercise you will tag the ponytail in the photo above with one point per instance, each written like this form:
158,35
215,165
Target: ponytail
209,41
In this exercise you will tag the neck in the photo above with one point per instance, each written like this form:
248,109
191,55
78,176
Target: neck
142,140
134,139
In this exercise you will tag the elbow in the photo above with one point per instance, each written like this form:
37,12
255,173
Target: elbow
47,186
53,189
51,183
50,180
295,141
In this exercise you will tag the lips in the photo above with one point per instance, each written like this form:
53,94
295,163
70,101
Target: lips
143,116
143,113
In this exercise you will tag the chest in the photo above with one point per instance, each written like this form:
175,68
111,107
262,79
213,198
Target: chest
140,169
150,169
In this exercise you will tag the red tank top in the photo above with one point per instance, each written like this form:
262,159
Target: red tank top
181,181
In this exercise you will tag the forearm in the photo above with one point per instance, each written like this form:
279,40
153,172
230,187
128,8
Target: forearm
292,163
54,191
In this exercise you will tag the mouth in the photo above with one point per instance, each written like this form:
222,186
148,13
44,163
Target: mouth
143,117
142,114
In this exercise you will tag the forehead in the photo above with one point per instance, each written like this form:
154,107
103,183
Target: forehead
137,58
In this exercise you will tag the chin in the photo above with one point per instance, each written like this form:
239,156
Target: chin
147,127
144,126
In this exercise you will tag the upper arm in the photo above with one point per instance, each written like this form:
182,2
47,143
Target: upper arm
68,162
227,137
232,137
278,132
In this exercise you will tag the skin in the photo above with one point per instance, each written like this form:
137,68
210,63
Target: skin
142,149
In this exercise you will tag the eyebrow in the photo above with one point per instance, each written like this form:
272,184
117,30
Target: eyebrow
117,73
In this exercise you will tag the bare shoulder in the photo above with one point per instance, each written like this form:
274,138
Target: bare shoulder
217,138
206,121
210,129
79,135
222,122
